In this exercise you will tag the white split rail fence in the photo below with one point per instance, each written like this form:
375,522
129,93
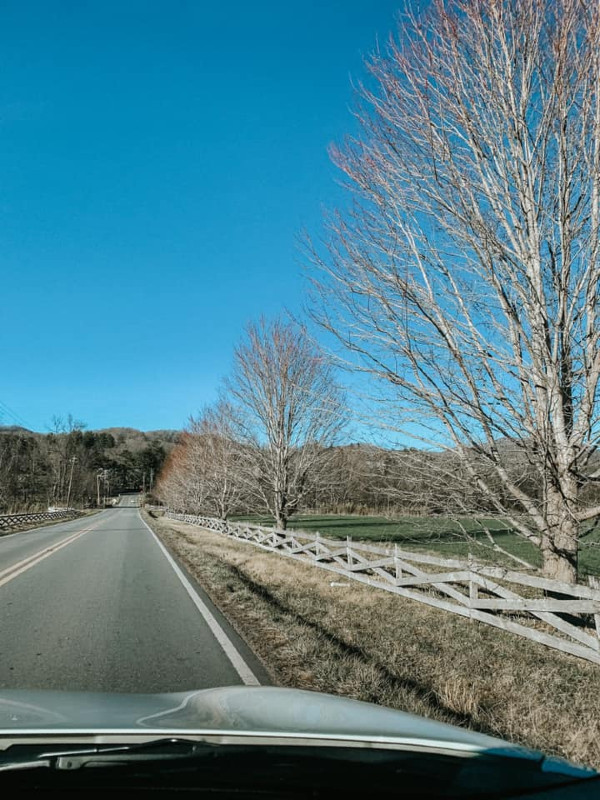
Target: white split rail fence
11,521
560,615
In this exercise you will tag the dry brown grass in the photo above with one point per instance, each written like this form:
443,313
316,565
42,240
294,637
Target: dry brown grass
371,645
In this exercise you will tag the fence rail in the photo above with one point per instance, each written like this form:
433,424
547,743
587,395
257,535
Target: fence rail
559,615
12,521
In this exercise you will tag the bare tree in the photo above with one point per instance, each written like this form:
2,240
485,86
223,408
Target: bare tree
62,440
179,485
217,453
202,475
290,413
465,276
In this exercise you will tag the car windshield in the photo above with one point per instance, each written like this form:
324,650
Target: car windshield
299,411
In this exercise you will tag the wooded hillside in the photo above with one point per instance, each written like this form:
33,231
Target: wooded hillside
76,467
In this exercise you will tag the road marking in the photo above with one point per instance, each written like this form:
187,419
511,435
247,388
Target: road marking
25,564
230,650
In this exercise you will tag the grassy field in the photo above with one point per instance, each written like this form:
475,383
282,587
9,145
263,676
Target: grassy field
440,535
368,644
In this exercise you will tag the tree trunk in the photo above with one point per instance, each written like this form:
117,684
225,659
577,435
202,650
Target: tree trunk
280,500
560,542
281,522
280,512
560,563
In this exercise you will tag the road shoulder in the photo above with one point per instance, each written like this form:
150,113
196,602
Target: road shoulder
361,642
233,638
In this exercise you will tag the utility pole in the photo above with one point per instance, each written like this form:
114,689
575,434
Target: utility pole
73,460
98,476
106,485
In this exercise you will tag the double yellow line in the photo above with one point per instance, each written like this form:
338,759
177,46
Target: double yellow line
27,563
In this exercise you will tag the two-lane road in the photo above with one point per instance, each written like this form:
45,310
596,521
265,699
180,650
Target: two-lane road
98,604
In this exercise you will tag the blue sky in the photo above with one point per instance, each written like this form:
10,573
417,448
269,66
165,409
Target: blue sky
157,161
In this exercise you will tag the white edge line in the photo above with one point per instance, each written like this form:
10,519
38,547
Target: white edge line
230,650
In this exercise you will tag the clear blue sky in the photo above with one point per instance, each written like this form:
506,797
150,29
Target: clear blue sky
157,160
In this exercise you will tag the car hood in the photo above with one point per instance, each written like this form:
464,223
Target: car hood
262,711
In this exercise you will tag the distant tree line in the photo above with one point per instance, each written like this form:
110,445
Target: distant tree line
209,472
76,467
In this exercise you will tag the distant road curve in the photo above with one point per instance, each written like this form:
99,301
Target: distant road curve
129,501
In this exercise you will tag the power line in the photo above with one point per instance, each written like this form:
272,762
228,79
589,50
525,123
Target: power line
6,410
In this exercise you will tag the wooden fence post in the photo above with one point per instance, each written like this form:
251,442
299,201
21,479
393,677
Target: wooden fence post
397,566
473,587
594,583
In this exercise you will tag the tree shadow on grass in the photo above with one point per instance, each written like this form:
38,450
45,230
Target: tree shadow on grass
426,694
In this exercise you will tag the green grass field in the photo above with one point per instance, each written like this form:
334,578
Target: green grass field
441,535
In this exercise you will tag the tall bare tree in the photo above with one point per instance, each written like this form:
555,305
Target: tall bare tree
203,474
217,453
465,275
62,443
290,411
180,485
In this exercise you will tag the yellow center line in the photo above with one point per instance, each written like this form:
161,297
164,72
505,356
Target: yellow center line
27,563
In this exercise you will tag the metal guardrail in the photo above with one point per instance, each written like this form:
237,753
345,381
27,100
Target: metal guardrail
12,521
562,616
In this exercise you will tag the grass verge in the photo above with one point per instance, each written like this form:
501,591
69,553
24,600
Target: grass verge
367,644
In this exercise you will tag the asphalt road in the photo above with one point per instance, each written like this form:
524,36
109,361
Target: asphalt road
97,604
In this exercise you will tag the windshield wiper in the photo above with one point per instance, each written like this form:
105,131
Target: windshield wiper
169,749
188,763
